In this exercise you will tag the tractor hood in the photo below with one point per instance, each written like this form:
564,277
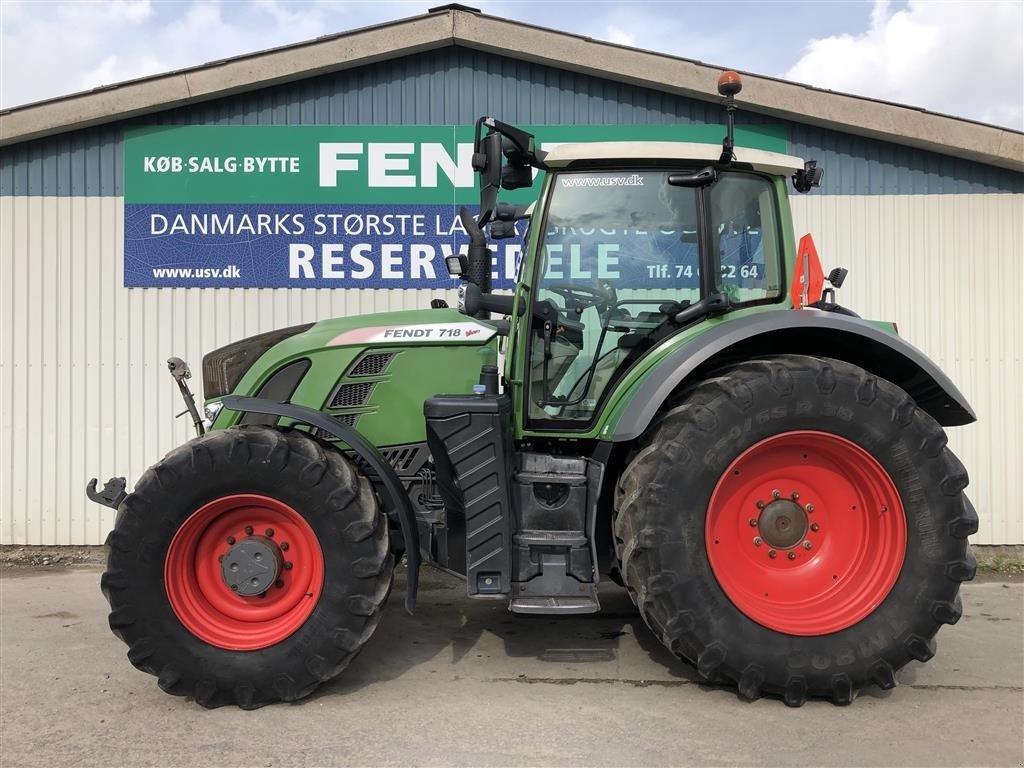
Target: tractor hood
225,368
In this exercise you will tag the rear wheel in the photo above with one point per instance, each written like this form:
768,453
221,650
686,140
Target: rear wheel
797,527
248,566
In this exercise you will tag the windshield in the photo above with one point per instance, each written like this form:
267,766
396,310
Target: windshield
620,257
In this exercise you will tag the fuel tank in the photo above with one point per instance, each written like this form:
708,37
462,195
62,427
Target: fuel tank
371,371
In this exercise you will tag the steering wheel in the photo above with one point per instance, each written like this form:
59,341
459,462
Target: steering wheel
579,297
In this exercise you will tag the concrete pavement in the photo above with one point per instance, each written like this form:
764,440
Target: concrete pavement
465,683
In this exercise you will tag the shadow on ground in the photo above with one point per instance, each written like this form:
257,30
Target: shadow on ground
473,634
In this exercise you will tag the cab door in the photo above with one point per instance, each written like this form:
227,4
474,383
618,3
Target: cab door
616,255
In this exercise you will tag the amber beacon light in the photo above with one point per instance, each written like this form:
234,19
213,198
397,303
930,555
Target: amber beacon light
729,83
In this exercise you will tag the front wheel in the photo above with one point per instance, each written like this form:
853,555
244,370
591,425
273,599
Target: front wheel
248,566
796,526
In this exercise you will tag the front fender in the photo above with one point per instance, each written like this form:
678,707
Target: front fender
805,332
396,500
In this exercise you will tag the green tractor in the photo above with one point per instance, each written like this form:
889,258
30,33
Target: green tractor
681,409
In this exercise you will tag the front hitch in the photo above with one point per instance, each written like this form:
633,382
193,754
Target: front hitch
112,495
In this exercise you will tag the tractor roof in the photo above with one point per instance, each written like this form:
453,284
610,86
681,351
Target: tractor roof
767,162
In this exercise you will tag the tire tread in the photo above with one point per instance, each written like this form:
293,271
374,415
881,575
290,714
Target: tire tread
668,598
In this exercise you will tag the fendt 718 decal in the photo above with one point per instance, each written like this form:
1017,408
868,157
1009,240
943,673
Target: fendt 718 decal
416,334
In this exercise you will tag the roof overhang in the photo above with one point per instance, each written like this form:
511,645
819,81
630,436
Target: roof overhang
768,162
885,121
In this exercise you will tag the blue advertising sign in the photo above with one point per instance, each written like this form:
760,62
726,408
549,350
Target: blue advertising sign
341,206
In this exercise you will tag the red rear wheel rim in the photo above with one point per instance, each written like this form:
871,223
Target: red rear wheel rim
833,519
205,603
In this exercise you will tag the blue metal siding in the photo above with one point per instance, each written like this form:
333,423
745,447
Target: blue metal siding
856,165
455,86
80,163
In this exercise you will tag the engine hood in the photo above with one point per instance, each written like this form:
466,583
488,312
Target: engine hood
416,355
226,368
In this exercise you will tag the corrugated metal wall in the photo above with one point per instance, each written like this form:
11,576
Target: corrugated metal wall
84,389
947,270
933,243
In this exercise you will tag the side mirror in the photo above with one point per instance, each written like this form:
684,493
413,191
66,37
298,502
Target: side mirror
489,166
517,173
503,230
808,177
516,177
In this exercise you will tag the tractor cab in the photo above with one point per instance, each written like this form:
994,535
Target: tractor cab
629,243
627,258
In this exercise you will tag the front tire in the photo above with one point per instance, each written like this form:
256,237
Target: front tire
248,566
797,527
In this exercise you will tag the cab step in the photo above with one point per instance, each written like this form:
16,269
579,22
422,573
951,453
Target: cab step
551,538
548,605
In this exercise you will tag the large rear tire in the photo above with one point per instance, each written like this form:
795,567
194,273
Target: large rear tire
797,527
287,513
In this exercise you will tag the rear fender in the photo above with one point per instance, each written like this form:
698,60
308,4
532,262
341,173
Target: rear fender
804,332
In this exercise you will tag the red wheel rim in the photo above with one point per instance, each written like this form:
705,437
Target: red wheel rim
202,599
834,560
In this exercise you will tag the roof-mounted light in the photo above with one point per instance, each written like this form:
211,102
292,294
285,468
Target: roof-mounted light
729,83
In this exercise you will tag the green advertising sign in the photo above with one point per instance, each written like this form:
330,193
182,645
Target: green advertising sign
383,164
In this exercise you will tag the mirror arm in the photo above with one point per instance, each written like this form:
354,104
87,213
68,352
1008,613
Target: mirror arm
501,327
480,304
713,304
497,302
701,178
519,137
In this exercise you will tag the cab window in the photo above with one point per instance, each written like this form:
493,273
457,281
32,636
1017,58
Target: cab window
745,234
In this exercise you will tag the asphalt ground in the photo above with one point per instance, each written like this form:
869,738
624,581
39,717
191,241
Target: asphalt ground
466,683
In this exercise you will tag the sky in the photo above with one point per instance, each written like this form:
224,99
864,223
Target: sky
963,58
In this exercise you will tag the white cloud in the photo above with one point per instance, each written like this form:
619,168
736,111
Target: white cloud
615,34
49,49
961,58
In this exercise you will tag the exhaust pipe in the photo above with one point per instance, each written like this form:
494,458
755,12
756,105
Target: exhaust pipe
478,255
